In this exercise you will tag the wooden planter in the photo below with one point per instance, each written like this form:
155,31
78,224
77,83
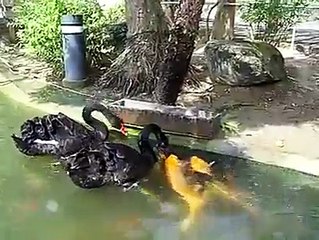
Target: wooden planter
175,120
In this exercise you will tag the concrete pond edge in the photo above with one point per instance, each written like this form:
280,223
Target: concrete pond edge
232,146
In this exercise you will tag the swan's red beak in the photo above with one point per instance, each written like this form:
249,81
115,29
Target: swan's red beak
123,130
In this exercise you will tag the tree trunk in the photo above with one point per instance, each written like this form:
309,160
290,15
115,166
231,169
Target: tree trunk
133,72
155,58
145,16
223,27
169,10
178,51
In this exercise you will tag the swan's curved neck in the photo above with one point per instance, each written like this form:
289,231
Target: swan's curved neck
99,127
147,150
144,140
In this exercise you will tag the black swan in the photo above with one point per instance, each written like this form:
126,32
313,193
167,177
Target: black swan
57,134
115,163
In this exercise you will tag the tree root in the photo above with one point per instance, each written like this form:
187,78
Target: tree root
192,79
134,71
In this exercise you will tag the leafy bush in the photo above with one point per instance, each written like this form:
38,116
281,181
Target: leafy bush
39,31
274,17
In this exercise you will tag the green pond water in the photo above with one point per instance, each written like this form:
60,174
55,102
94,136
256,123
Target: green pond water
39,202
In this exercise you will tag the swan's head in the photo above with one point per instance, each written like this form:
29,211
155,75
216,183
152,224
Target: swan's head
144,140
116,122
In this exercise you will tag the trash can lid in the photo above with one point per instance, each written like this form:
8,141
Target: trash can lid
72,20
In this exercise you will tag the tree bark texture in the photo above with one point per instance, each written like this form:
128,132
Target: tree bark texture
133,71
144,15
169,10
178,51
223,27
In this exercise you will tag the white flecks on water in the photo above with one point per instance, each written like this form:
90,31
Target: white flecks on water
52,206
167,208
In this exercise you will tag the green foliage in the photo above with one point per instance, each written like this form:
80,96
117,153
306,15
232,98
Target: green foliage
230,125
274,16
39,31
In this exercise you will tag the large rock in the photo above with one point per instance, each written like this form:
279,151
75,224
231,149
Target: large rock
243,63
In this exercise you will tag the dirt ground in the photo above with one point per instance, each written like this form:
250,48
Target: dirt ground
283,103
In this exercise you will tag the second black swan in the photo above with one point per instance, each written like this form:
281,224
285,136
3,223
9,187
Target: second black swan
115,163
58,134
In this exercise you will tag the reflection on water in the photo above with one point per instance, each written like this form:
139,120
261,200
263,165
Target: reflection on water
39,202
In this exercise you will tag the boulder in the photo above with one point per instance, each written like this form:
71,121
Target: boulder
244,63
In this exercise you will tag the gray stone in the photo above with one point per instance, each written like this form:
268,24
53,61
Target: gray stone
244,63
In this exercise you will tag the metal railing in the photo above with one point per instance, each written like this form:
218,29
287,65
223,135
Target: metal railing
243,28
238,3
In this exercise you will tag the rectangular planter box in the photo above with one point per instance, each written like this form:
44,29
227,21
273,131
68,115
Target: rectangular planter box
175,120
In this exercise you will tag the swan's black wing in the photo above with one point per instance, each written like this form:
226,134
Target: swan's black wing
54,134
52,127
33,149
87,169
137,166
92,168
106,163
61,148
